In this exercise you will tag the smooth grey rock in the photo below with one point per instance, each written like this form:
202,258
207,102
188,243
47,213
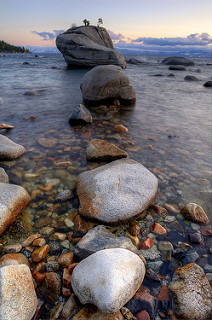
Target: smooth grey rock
151,254
192,293
136,61
13,199
177,68
9,150
191,78
18,300
178,61
106,83
88,47
116,191
64,196
80,115
208,84
100,238
108,278
3,176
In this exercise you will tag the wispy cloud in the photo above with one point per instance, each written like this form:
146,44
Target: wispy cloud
46,36
115,36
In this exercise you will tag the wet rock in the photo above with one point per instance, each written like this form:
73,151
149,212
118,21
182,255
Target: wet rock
190,256
13,259
117,191
116,269
126,313
90,312
26,63
47,142
172,207
195,237
30,239
177,68
195,213
106,83
5,126
12,248
18,299
191,78
9,150
142,315
40,253
55,247
56,310
31,93
13,199
135,61
3,176
50,288
101,150
166,248
178,61
134,228
192,293
208,84
156,210
66,278
147,244
66,259
158,229
120,128
151,254
69,306
100,238
80,115
39,242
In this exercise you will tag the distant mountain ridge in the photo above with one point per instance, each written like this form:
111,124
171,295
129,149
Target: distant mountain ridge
8,48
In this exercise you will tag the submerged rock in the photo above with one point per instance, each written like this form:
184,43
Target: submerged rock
191,78
116,191
9,150
18,299
13,199
100,238
80,115
192,293
208,84
88,46
177,68
108,278
3,176
195,213
106,83
178,61
101,150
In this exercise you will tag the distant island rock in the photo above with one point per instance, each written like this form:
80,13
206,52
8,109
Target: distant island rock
8,48
178,61
88,46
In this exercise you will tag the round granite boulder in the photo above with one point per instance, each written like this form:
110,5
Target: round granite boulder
178,61
9,150
116,191
105,84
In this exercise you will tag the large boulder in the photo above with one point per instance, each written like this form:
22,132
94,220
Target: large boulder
88,46
178,61
106,83
18,300
108,278
192,293
116,191
3,176
9,150
13,199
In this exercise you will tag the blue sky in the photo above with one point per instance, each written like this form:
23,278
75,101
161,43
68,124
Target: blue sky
131,22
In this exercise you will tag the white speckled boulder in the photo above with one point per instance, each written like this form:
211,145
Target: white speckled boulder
18,300
13,199
108,278
116,191
9,150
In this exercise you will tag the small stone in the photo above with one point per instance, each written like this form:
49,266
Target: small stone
90,312
177,68
39,277
172,207
69,223
66,278
196,213
143,315
120,128
47,230
126,313
80,115
12,248
64,196
158,229
158,210
59,236
66,292
47,142
151,254
134,228
66,259
146,244
39,242
55,247
56,310
69,306
195,237
135,240
40,253
65,244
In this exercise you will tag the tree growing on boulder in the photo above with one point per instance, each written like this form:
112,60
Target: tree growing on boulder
86,22
100,21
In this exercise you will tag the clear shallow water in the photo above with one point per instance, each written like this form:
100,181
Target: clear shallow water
175,112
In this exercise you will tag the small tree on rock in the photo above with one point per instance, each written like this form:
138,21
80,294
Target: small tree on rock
100,21
86,22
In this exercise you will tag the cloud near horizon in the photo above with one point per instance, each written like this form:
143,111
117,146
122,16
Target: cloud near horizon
46,36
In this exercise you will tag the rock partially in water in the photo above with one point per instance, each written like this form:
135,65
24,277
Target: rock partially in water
64,196
101,150
195,213
13,199
177,68
6,126
3,176
106,83
100,238
192,293
178,61
9,150
80,115
136,61
116,191
13,259
88,46
108,278
191,78
18,299
90,312
208,84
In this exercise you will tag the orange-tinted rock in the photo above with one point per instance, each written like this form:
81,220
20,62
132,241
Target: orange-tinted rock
163,294
143,315
40,267
66,278
134,228
80,224
158,210
13,258
120,128
50,288
66,292
12,248
30,239
72,266
6,126
39,242
206,231
59,236
90,312
40,253
39,277
146,244
101,150
196,213
66,259
158,229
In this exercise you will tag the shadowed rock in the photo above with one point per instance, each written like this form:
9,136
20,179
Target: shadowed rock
178,61
177,68
191,78
80,115
9,150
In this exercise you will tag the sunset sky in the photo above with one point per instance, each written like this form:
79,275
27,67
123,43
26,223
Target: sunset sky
36,23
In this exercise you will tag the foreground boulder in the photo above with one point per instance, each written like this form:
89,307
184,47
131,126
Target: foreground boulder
100,238
107,83
13,199
101,150
88,46
178,61
9,150
108,278
116,191
192,293
18,299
